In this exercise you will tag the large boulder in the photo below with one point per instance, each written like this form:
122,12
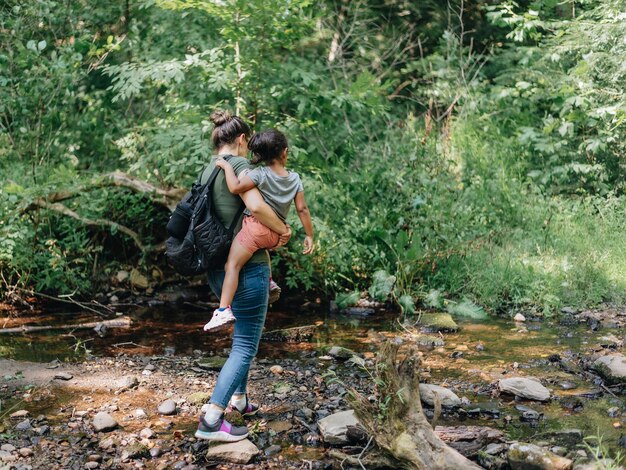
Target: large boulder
446,397
524,456
612,367
524,387
240,452
334,427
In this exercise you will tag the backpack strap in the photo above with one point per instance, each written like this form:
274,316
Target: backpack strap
209,185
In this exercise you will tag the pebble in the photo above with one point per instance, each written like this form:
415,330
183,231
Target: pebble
146,433
19,414
613,412
274,449
276,369
91,465
519,317
168,407
23,425
140,413
104,422
63,376
128,381
26,451
7,447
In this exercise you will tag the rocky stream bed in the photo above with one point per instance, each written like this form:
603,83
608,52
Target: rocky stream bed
515,394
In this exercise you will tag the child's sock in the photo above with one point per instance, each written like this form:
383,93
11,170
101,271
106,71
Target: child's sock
221,309
238,401
213,415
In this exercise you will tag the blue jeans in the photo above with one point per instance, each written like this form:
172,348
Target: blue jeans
249,308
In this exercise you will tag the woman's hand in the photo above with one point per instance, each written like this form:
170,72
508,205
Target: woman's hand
220,162
284,238
308,245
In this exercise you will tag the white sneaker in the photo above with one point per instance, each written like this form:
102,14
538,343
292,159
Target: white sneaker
220,319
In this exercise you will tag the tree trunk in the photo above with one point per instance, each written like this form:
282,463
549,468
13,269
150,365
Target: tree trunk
396,421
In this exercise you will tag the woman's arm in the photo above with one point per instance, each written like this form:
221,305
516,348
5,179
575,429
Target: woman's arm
235,185
307,223
263,212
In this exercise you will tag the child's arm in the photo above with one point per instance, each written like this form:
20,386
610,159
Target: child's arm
235,185
307,223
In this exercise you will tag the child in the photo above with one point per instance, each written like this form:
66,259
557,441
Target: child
279,188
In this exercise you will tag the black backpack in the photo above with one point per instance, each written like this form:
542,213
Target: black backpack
198,240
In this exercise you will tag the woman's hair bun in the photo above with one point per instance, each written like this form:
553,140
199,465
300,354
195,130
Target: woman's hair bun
220,117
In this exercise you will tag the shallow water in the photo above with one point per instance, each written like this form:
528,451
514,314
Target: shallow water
506,348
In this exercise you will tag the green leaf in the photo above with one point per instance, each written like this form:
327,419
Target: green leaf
467,308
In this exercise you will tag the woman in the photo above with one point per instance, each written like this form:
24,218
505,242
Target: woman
230,137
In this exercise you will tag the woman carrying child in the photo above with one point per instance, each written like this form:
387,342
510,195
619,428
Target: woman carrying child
279,188
230,137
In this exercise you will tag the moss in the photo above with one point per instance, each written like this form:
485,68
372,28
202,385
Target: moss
438,322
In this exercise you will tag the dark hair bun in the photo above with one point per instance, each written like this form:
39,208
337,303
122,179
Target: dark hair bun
220,117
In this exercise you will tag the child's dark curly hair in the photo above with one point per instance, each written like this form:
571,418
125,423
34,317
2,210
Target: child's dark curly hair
267,146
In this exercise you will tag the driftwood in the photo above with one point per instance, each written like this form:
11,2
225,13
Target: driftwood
396,420
121,322
297,334
165,197
468,440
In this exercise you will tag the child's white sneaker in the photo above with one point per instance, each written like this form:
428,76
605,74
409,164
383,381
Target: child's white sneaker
220,319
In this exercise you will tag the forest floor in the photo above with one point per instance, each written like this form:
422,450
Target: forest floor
51,410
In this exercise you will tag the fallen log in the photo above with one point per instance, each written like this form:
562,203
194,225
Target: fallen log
395,419
468,440
121,322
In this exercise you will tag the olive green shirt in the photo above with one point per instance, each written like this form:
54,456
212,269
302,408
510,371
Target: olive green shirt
226,203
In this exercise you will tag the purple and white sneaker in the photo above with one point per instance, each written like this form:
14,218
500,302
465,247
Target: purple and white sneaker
221,431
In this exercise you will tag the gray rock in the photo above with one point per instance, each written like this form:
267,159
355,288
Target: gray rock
140,413
612,367
7,447
63,376
7,457
23,425
333,428
274,449
525,388
447,397
168,407
613,412
128,381
522,456
341,353
146,433
104,422
240,452
91,465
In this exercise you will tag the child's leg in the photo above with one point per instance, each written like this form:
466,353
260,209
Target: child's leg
238,256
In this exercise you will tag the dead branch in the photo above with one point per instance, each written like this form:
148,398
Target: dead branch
163,197
400,427
61,209
121,322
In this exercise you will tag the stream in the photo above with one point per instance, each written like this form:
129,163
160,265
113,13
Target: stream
470,361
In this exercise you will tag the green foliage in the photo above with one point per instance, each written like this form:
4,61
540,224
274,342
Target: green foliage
347,299
441,161
382,285
466,308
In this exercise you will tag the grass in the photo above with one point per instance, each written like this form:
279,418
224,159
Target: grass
567,253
